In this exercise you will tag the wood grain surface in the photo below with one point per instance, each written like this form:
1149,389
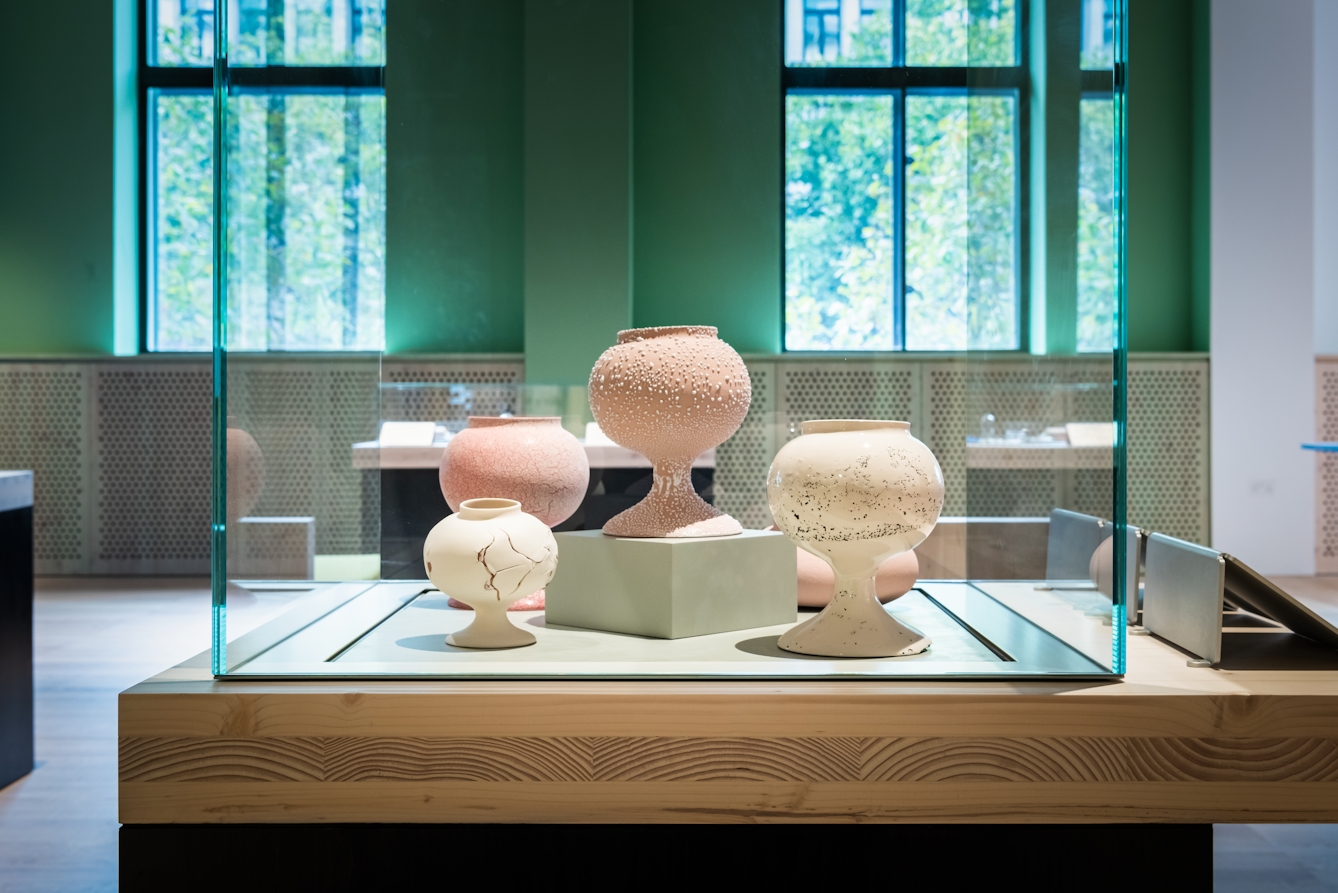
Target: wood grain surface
727,801
1168,743
876,760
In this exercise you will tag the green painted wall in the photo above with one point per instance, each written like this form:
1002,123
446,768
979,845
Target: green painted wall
1056,91
454,182
56,179
578,184
1162,210
1201,199
708,209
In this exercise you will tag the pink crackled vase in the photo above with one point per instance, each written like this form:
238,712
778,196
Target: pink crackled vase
531,459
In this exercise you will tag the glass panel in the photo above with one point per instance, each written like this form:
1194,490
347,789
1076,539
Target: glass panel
1096,225
306,221
271,32
1098,30
181,173
839,207
850,33
961,33
961,200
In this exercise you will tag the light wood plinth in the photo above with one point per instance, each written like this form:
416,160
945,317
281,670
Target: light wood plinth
1169,744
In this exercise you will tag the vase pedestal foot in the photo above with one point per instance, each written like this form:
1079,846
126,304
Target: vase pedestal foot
672,508
854,624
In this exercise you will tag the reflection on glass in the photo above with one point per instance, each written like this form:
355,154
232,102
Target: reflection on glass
961,32
839,229
306,222
271,32
854,33
961,194
182,196
1096,225
1098,33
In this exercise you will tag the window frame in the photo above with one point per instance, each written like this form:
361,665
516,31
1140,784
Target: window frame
900,80
196,79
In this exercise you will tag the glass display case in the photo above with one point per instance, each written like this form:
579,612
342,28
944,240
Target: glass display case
435,222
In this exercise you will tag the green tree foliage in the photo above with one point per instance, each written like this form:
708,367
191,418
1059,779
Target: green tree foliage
839,222
325,173
961,32
1096,225
961,185
961,195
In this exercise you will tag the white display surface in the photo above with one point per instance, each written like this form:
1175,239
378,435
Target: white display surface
400,629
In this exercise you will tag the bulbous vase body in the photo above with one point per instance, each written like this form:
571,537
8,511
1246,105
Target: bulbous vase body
488,555
670,393
533,460
246,474
855,493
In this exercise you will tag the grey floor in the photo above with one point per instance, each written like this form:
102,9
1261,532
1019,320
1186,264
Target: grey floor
96,637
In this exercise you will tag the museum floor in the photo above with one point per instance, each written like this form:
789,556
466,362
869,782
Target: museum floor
96,637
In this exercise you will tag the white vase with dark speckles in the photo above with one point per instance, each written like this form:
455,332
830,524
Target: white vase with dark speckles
855,493
488,555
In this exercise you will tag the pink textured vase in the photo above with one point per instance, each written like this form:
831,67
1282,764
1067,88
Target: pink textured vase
671,393
245,474
531,459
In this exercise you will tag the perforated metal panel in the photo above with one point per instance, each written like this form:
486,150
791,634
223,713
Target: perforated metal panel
120,448
455,391
741,462
1326,468
306,416
849,390
44,427
1168,447
151,469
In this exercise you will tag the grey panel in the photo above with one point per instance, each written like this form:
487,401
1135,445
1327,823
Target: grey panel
1182,595
1073,539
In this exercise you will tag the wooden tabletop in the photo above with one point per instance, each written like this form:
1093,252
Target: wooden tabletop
1170,743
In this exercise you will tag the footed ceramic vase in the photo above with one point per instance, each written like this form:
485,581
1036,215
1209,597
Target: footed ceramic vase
488,555
670,393
531,459
855,493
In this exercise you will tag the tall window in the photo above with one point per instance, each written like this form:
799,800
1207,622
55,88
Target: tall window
306,178
903,174
1096,181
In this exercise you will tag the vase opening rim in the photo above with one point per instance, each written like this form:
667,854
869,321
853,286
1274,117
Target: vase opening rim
496,421
834,426
486,507
627,336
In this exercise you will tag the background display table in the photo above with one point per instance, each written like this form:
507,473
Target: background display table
16,625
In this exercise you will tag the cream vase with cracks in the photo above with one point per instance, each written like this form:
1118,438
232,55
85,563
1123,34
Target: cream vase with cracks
488,555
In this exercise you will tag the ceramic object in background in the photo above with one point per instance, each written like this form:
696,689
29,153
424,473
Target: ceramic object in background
855,493
246,474
488,555
531,459
817,580
1101,567
670,393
